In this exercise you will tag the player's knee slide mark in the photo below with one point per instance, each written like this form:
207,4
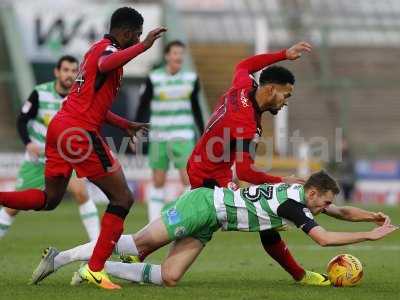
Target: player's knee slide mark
117,210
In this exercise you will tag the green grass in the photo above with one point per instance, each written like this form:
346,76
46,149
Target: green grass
233,265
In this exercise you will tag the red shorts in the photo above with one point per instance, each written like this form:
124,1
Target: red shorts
197,179
70,147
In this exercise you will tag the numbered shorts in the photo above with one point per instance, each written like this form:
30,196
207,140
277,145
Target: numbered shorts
70,148
161,153
191,215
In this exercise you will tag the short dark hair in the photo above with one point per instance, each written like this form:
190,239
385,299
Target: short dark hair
126,17
173,43
277,75
323,182
68,58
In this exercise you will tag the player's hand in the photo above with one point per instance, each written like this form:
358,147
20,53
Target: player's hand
381,231
137,130
152,36
380,218
296,50
34,150
293,180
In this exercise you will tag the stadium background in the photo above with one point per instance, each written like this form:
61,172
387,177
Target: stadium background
347,91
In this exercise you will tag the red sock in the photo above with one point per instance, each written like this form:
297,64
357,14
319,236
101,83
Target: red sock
111,230
23,200
280,252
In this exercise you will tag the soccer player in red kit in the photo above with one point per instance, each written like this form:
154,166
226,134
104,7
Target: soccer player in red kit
231,137
74,142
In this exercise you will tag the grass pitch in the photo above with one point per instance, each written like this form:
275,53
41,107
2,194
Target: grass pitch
233,265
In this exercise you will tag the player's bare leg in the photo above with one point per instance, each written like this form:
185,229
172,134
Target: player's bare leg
184,177
181,256
87,208
115,187
157,194
35,199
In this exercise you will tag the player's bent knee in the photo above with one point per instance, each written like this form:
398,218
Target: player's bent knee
170,278
170,281
52,201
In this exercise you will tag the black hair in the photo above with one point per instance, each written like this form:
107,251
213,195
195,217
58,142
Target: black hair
173,43
277,75
323,182
68,58
126,17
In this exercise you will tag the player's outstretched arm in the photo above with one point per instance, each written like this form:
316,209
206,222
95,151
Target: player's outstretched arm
330,238
118,59
355,214
257,62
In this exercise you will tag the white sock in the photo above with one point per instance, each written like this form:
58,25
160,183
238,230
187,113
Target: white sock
140,272
5,222
156,202
90,219
79,253
125,245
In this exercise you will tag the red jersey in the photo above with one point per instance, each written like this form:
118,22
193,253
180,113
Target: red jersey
93,92
237,117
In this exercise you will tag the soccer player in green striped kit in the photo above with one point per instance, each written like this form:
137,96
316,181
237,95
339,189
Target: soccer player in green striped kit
191,220
170,101
36,113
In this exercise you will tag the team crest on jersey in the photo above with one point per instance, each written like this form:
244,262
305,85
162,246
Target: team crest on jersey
243,99
173,216
308,213
180,231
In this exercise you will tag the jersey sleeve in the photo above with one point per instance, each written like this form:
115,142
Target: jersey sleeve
242,76
111,59
297,213
28,112
146,95
196,109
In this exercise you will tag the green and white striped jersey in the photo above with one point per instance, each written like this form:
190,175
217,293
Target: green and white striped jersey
171,114
254,208
49,103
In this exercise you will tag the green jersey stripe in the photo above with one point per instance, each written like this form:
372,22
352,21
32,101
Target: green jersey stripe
252,217
36,135
174,113
170,128
274,221
281,193
181,134
231,211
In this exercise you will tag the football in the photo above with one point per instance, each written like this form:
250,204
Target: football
345,270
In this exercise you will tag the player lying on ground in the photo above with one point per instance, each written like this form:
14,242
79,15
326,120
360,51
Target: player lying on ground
190,221
237,121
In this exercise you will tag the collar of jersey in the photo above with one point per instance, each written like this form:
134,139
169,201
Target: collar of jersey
112,39
252,96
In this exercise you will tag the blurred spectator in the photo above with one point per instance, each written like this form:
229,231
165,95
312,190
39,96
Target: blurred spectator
345,172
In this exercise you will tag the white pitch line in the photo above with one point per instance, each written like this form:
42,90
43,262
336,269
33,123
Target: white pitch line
354,247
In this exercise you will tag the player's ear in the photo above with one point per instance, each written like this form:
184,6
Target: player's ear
56,72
